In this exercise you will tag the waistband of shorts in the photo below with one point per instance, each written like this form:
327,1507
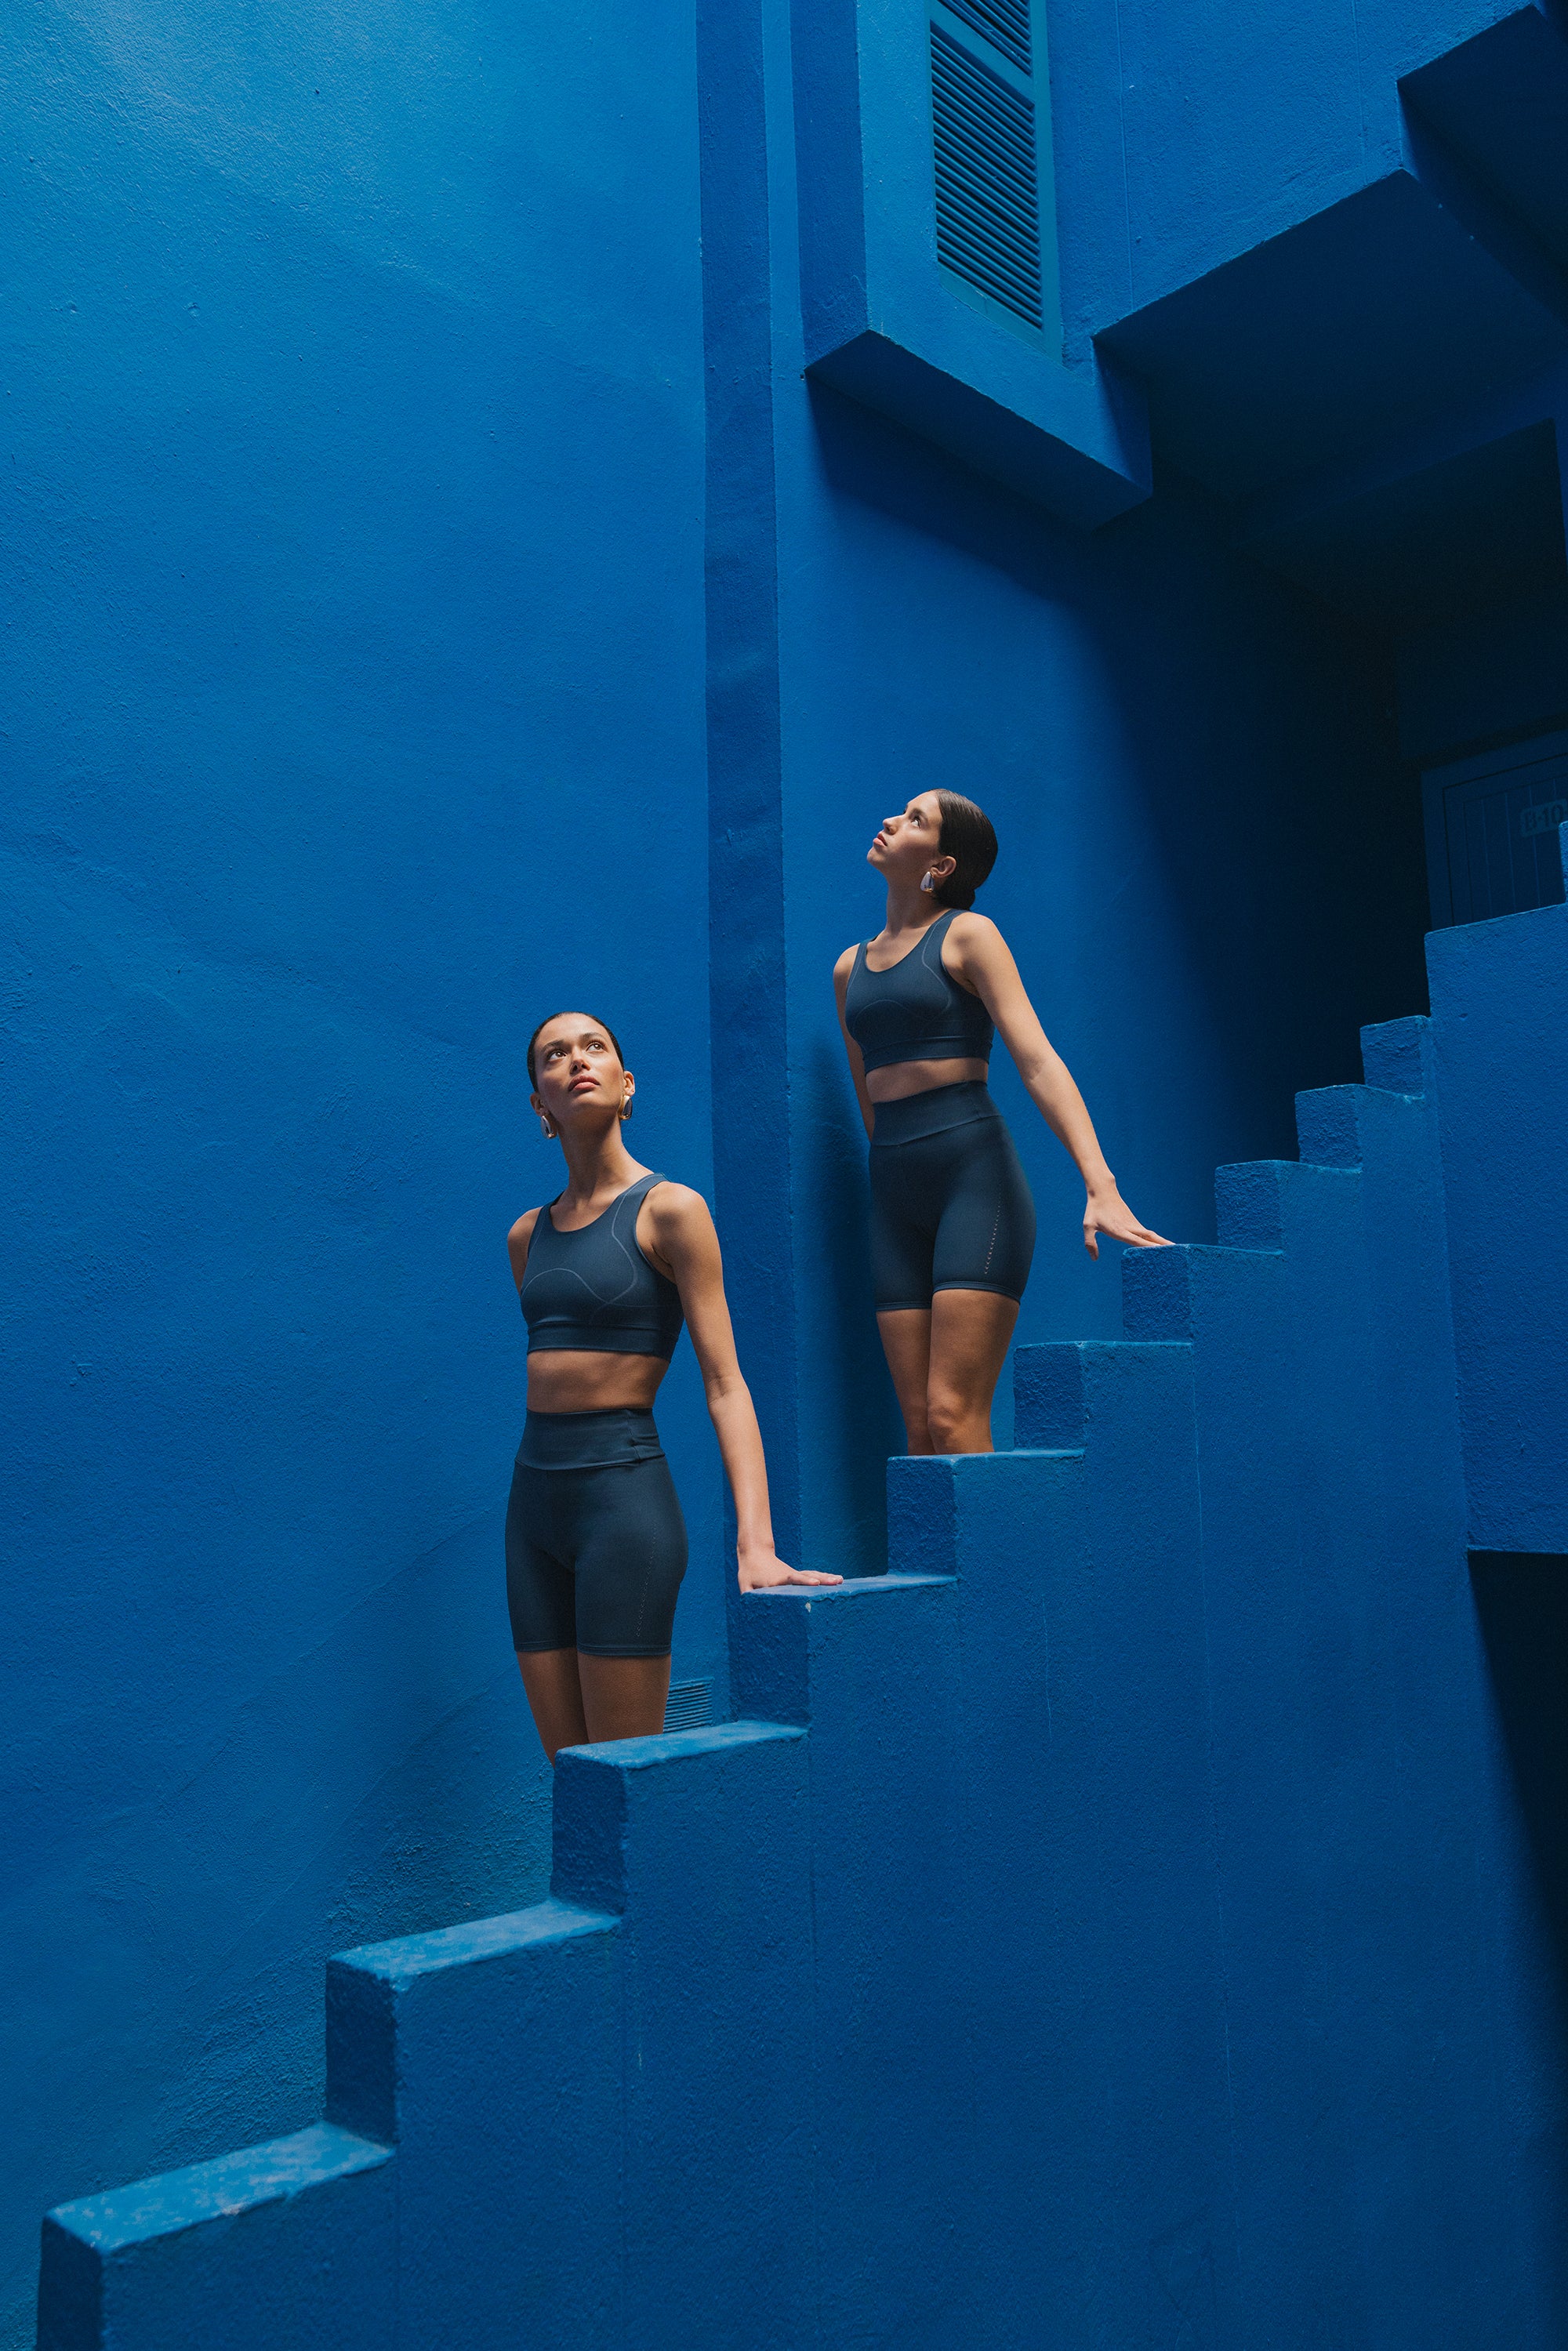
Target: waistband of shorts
913,1116
588,1440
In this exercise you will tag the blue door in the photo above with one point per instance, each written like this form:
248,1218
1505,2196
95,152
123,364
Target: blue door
1491,830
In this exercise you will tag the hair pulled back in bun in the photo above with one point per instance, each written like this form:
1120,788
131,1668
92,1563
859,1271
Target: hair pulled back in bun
968,838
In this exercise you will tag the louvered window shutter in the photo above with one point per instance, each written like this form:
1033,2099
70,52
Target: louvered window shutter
928,241
985,153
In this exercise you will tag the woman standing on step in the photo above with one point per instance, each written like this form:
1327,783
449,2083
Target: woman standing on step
596,1545
952,1218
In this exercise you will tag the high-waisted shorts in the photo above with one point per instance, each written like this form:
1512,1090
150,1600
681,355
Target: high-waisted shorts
596,1545
951,1204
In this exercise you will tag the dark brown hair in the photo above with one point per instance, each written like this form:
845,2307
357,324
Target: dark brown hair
533,1041
969,839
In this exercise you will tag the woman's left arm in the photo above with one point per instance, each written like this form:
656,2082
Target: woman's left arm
985,961
685,1246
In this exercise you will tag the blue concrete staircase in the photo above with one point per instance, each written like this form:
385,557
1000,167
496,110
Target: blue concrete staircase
1121,1926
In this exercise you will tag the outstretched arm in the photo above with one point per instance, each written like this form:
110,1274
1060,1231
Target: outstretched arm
686,1245
985,960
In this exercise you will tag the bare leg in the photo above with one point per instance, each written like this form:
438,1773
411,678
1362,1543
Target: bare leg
906,1343
550,1678
969,1334
625,1698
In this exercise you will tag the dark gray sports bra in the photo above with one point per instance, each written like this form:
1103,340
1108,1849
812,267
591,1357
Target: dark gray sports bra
595,1288
915,1011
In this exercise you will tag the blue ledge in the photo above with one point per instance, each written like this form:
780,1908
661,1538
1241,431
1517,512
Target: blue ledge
853,1587
172,2202
408,1956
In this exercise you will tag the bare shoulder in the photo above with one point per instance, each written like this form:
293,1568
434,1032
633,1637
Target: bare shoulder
678,1234
844,965
975,955
970,931
677,1211
518,1242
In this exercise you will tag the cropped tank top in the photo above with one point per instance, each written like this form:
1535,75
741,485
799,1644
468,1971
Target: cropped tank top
595,1288
914,1011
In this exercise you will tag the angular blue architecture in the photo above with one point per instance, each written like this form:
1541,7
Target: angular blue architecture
498,505
1131,1920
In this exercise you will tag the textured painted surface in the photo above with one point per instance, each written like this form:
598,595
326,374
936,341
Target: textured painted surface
1197,136
380,600
882,323
1137,1918
291,2242
1157,729
353,493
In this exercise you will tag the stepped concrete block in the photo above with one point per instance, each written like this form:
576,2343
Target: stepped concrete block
1397,1055
700,1840
1161,1289
871,1667
1327,1132
1090,1947
1350,1794
1499,1004
1010,1527
1258,1202
1332,1123
1249,1205
1094,2198
1134,1623
794,1661
1063,1389
1236,1308
491,2052
287,2243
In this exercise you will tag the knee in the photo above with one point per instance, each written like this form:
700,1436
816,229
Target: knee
947,1419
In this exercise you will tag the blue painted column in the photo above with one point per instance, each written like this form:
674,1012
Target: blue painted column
745,866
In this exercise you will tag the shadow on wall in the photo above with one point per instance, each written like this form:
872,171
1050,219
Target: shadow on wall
1258,770
1522,1602
855,1410
1522,1610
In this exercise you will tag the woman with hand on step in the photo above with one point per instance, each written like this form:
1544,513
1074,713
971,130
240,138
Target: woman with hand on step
952,1217
607,1273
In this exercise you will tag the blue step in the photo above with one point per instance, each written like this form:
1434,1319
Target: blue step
1113,1925
451,2045
290,2242
868,1667
699,1840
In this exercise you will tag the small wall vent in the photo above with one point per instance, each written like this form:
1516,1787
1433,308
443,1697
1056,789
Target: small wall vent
988,189
690,1706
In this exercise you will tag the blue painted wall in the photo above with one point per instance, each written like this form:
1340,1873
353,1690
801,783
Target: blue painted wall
1189,137
430,565
1192,774
1192,769
352,525
1135,1919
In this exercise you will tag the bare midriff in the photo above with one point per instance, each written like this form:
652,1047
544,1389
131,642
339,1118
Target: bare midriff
901,1077
580,1379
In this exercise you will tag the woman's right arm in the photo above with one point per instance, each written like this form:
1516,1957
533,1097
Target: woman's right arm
518,1242
841,970
986,963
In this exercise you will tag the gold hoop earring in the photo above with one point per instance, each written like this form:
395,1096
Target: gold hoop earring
548,1129
625,1109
